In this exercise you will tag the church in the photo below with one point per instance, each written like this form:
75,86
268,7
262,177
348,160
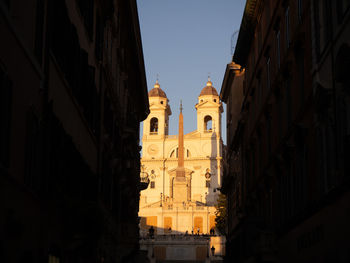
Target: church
184,172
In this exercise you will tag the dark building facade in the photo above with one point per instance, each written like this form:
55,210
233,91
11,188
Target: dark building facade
286,174
72,95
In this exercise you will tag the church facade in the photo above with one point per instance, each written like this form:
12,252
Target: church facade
184,170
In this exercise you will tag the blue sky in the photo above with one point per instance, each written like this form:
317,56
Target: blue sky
183,41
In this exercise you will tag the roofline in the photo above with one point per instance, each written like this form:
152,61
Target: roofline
141,64
246,31
229,76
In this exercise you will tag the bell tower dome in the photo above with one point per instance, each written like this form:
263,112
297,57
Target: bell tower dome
209,109
157,122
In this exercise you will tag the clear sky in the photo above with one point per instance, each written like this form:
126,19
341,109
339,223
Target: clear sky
183,41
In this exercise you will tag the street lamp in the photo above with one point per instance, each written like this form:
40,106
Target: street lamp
212,250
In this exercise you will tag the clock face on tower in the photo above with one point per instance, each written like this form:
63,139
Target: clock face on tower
152,149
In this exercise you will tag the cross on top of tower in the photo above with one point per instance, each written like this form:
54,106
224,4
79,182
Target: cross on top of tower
209,83
156,85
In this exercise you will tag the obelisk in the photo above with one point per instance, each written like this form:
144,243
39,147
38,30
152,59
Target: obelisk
180,170
180,184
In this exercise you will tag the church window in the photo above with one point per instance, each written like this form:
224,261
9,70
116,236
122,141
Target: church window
161,102
214,100
175,153
153,184
154,126
208,123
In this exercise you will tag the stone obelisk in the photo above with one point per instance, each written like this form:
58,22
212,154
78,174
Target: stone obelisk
180,182
180,170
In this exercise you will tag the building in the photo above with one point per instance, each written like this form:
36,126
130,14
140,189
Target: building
287,98
72,94
184,173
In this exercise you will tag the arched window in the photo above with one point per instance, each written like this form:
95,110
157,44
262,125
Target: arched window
208,123
154,126
175,153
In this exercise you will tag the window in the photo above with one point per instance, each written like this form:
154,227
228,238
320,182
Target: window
260,155
208,123
175,153
280,110
259,89
153,184
253,106
268,134
259,38
253,171
287,27
278,48
161,102
154,126
300,9
252,57
300,63
268,69
289,102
